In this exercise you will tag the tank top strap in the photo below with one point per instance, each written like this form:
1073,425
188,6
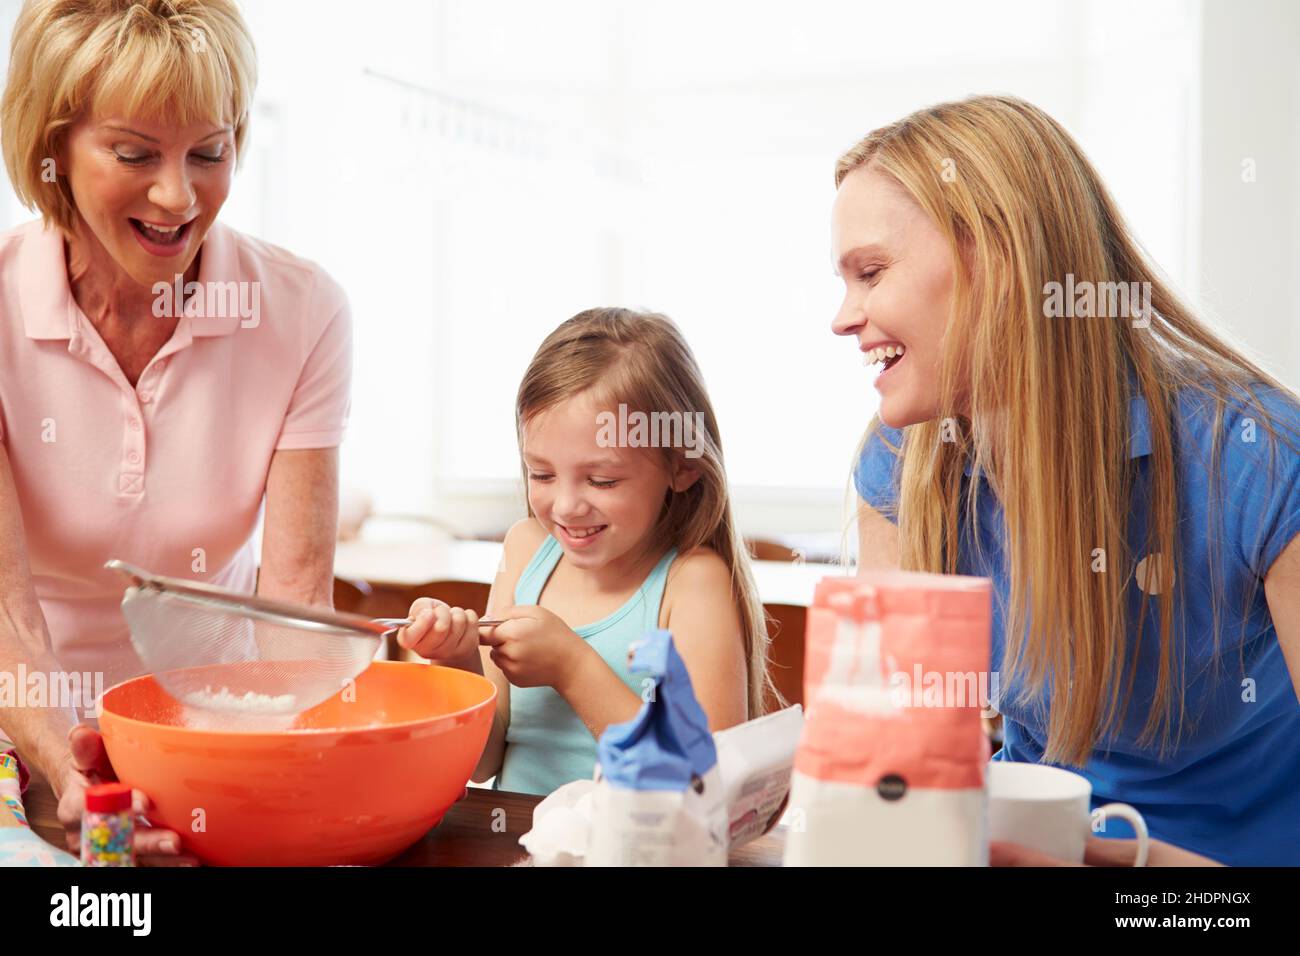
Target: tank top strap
534,577
653,588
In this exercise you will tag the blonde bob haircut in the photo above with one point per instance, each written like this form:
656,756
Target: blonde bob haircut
181,61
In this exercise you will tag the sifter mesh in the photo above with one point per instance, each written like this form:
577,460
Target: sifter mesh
222,651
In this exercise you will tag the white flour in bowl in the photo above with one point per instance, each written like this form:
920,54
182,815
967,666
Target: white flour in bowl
222,710
249,703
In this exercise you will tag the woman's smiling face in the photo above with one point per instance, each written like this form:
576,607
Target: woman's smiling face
600,503
898,277
135,182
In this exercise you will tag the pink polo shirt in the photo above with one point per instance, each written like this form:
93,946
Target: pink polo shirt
169,474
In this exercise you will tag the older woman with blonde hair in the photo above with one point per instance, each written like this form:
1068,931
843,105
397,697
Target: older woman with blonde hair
161,375
1127,478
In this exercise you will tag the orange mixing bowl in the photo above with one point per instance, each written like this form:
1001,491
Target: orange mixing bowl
351,781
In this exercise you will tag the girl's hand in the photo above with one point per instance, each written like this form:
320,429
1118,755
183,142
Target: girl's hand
534,648
89,765
1099,852
442,633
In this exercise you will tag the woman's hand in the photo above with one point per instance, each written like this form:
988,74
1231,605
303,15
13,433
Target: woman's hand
1098,852
88,766
442,634
534,648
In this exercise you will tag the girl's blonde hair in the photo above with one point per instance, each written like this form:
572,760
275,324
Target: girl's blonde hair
184,61
1045,415
641,360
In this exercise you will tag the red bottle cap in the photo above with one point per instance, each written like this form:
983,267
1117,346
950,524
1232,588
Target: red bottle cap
108,798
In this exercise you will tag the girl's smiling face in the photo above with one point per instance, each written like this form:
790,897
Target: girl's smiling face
147,192
898,279
600,503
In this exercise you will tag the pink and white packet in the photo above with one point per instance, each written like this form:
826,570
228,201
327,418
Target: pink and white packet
888,773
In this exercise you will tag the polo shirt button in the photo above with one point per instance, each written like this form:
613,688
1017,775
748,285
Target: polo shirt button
133,458
135,424
146,397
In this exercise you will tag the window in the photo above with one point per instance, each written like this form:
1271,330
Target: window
475,172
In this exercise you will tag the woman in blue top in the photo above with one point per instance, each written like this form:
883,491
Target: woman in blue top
1054,418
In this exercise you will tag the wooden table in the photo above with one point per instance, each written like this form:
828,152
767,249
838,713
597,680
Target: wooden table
471,834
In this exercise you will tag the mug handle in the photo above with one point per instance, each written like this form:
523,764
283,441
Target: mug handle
1125,812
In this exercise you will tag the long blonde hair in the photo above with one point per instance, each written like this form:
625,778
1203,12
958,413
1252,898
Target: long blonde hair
641,360
1046,404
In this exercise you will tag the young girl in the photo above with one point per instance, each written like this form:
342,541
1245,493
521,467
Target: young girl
619,540
1127,478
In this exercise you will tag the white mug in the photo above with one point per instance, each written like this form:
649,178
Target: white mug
1046,809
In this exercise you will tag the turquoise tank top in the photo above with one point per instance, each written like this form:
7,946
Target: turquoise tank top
547,744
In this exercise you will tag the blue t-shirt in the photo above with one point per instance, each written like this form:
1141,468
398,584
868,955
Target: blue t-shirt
1231,788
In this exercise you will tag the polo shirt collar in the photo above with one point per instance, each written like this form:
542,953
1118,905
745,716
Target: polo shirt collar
218,262
46,305
49,310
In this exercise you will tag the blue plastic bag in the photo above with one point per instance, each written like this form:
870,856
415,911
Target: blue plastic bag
667,745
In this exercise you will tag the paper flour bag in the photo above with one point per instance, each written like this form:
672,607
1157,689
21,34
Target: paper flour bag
659,799
890,767
755,760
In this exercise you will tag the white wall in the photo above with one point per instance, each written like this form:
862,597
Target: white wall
1248,238
474,172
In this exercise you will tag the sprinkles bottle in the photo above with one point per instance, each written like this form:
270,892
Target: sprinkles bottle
107,827
11,787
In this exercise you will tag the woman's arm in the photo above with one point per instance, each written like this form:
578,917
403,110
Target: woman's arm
1282,590
877,540
301,524
40,733
1099,851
